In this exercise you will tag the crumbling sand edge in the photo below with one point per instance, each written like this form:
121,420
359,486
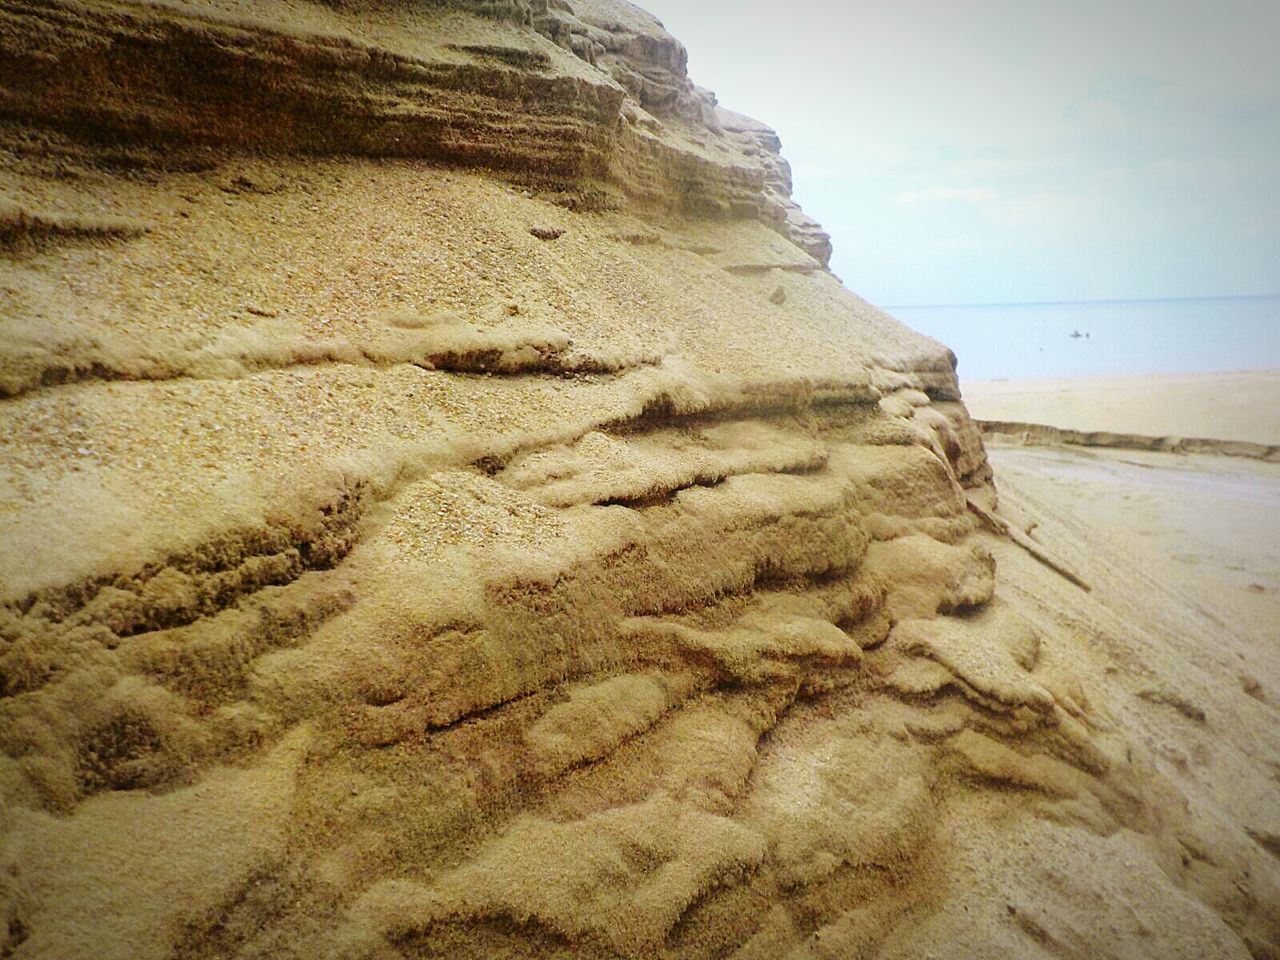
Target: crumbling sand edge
1040,434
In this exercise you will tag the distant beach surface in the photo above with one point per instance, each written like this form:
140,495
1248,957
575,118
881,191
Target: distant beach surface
1242,405
1115,337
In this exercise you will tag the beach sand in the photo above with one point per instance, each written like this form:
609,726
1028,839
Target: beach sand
1212,517
1182,554
401,557
1239,405
1206,525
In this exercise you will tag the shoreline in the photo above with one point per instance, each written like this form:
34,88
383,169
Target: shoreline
1248,372
1077,303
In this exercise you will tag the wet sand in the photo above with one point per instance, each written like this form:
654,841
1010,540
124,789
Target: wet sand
1180,632
1207,524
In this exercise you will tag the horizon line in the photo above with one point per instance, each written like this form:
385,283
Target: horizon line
1056,303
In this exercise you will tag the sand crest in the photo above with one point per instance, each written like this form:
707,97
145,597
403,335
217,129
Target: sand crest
448,509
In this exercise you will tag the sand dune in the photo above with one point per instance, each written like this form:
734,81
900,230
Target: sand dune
448,509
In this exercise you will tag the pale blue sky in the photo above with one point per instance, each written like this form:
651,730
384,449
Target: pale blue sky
1011,150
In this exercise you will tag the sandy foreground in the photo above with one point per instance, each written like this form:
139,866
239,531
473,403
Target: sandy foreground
1182,557
1238,405
404,557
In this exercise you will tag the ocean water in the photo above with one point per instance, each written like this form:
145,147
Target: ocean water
1024,340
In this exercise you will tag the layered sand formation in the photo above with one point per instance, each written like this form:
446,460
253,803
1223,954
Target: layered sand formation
448,509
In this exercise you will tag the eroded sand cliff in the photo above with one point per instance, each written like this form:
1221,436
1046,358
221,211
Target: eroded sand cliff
449,509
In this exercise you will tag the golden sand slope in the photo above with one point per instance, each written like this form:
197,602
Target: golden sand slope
447,509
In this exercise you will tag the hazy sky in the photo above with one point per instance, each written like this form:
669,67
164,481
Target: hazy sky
1010,150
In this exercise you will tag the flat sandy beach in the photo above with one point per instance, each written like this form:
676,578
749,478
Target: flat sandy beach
1209,523
1242,405
1182,555
1204,527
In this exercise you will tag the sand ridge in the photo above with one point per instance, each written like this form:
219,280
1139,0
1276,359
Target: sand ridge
426,531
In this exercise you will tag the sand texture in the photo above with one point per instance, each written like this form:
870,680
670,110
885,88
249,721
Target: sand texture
1236,406
448,509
